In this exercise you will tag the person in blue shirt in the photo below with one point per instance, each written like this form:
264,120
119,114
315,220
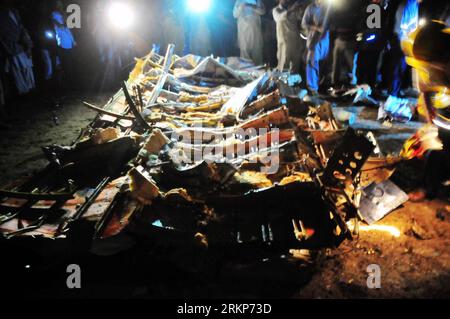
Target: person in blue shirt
64,36
65,43
315,21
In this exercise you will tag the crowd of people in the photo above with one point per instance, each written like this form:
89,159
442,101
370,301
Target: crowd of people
337,35
329,42
333,44
23,49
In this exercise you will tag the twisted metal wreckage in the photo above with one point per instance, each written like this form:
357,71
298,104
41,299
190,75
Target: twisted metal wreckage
129,170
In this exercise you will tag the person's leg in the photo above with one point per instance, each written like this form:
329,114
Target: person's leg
400,70
349,62
59,72
69,69
362,68
293,55
302,59
47,64
336,67
246,53
343,61
372,68
258,49
64,67
296,62
244,46
397,68
258,56
280,64
312,71
322,50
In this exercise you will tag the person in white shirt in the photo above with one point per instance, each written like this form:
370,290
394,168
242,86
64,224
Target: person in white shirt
288,16
250,38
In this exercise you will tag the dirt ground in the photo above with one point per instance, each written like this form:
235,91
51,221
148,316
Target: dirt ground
414,265
34,124
411,267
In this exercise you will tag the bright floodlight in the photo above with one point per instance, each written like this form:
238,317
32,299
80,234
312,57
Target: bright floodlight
199,6
49,34
120,15
335,3
371,38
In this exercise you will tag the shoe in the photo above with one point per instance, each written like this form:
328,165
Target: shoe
302,94
333,92
410,92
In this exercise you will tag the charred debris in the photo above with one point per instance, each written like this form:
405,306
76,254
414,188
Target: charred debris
210,152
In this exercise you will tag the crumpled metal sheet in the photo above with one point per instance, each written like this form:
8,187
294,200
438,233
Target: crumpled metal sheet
209,71
235,104
68,210
225,200
401,110
378,200
348,158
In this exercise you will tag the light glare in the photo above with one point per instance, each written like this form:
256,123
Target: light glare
371,38
199,6
120,15
49,34
392,230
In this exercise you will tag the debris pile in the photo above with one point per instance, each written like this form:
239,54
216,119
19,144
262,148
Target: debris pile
205,151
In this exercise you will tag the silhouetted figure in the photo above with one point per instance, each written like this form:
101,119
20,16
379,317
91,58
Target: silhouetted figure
65,44
406,21
288,16
250,39
15,51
